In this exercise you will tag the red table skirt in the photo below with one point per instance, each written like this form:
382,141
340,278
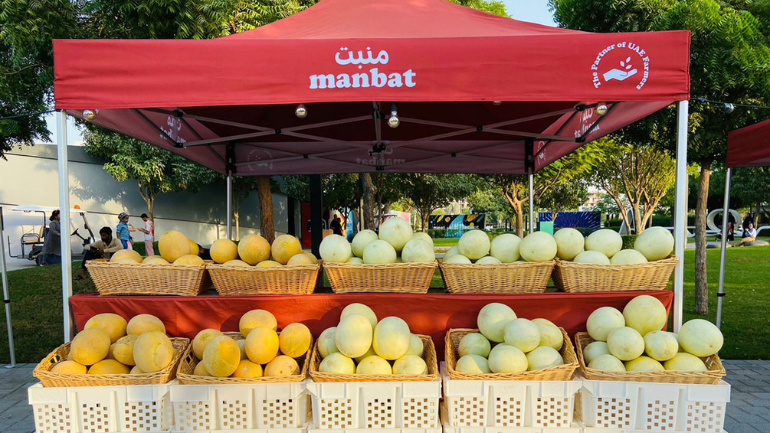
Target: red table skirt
430,314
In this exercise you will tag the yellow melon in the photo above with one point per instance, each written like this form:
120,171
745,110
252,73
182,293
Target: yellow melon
125,261
194,249
200,370
112,324
282,366
90,346
247,368
173,245
153,351
126,254
262,345
302,259
223,250
144,323
189,260
242,346
295,340
268,264
136,370
202,339
111,353
256,318
239,263
285,247
254,249
109,366
221,356
123,349
154,260
69,367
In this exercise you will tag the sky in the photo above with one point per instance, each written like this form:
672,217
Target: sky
535,11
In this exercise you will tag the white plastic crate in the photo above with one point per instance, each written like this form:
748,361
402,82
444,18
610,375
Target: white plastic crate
101,409
379,430
408,407
258,407
628,407
575,427
509,403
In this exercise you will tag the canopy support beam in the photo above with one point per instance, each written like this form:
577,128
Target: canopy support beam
6,295
316,214
723,250
529,163
64,207
230,157
680,211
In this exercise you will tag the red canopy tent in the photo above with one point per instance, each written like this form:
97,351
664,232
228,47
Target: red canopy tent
746,147
473,92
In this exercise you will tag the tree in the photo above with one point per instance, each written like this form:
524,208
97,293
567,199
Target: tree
156,171
564,196
426,192
730,51
636,177
341,192
489,199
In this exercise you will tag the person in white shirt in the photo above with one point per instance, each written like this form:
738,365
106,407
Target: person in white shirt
148,231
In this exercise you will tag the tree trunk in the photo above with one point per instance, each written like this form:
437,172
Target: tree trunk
701,211
368,217
424,217
637,220
266,227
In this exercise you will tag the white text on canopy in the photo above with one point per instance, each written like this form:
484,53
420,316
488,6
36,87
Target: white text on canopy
373,78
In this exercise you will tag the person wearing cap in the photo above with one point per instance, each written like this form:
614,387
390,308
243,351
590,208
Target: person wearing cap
149,232
122,231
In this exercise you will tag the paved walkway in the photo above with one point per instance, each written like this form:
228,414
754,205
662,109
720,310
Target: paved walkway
748,412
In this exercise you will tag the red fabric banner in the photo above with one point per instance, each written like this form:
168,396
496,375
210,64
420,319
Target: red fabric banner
749,146
431,314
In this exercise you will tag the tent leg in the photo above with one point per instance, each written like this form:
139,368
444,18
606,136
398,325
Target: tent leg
6,295
229,205
64,208
316,213
531,202
680,212
723,250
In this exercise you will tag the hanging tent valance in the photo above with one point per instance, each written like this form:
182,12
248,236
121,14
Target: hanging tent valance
233,99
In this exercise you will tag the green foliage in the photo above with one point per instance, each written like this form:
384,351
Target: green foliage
340,191
628,241
494,7
426,192
564,196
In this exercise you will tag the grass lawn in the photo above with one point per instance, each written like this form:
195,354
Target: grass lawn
445,242
37,312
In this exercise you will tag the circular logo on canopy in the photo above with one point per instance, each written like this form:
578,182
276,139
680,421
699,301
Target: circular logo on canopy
624,63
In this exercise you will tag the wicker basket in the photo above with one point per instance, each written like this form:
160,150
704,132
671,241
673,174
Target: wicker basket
284,280
711,377
561,372
140,279
50,379
189,362
587,277
517,277
389,278
428,355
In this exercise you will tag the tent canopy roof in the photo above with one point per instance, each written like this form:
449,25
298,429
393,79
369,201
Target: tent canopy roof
749,146
229,103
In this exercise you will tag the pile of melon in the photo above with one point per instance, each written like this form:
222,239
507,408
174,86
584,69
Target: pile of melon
360,344
254,250
506,343
259,351
174,248
605,247
633,340
109,345
475,246
396,243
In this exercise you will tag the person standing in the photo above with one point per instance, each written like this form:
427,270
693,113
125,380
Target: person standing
149,234
122,231
52,242
336,225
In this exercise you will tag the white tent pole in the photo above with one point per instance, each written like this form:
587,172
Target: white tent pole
531,202
229,205
6,295
723,250
680,212
64,209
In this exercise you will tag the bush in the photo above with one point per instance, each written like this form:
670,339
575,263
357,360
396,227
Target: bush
138,246
628,241
661,220
436,233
